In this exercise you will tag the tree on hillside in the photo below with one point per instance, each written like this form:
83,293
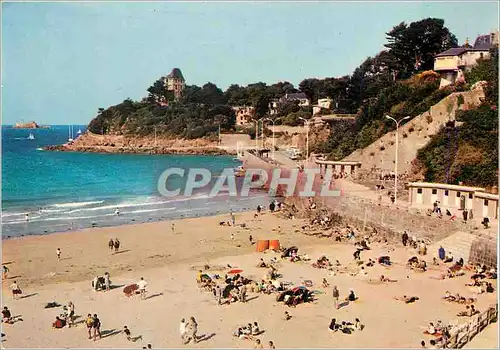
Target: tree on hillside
415,46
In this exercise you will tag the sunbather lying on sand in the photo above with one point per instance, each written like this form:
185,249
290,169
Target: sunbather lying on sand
406,299
386,279
469,311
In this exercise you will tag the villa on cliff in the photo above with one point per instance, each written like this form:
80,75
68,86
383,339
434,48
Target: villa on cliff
244,115
175,82
453,62
275,104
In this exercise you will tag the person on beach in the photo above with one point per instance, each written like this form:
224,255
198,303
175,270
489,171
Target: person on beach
14,287
335,294
351,296
173,228
59,323
89,322
258,344
287,316
117,245
71,315
271,345
233,219
142,287
58,252
107,281
183,330
404,238
117,211
192,329
5,271
127,333
7,316
111,245
96,326
95,283
27,217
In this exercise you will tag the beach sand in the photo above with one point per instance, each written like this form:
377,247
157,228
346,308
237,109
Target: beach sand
169,260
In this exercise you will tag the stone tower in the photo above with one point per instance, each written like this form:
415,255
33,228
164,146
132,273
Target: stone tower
175,82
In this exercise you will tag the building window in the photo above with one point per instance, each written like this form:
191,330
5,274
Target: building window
470,195
458,194
434,191
419,190
446,192
486,202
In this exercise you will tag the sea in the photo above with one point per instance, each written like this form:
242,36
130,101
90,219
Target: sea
49,191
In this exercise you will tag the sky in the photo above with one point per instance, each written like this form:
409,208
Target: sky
63,61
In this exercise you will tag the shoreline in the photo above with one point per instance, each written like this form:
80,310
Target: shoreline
198,151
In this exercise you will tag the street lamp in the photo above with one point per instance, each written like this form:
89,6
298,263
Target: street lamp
257,134
306,124
396,160
274,139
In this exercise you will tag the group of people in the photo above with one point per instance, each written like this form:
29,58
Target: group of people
345,327
114,245
248,331
102,283
188,330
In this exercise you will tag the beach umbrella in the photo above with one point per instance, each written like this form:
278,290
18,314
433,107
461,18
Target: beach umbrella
235,271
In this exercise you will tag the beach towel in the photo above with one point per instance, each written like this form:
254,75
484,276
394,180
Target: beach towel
130,289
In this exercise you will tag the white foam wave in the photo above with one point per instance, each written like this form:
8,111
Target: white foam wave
76,204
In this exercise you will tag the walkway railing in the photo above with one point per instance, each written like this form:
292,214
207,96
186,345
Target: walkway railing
464,333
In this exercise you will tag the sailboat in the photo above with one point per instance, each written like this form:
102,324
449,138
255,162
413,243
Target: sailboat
79,131
31,136
70,133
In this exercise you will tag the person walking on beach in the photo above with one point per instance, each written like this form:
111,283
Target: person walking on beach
335,294
71,315
96,326
233,219
111,245
183,330
127,333
5,271
58,252
107,281
89,322
192,328
218,294
173,228
117,245
142,287
404,238
14,287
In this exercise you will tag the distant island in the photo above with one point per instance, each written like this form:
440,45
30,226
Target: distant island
29,125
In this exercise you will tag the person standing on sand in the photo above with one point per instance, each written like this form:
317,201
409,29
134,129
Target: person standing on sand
404,238
173,228
335,294
111,245
71,310
233,219
14,287
89,322
96,326
117,245
58,252
142,287
192,329
5,271
107,281
183,330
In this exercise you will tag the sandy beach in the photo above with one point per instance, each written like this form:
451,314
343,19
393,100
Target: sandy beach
168,259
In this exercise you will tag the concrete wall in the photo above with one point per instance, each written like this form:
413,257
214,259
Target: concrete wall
484,251
486,207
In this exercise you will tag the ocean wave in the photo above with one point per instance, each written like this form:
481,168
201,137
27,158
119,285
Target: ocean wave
75,204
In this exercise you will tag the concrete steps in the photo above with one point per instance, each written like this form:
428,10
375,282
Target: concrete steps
459,244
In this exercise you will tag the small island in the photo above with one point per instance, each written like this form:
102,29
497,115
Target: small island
29,125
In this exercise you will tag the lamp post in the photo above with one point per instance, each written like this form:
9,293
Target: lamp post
306,124
274,139
396,157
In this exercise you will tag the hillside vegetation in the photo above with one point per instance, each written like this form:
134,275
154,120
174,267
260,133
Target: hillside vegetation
468,152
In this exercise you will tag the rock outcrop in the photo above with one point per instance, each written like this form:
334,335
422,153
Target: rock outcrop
28,125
